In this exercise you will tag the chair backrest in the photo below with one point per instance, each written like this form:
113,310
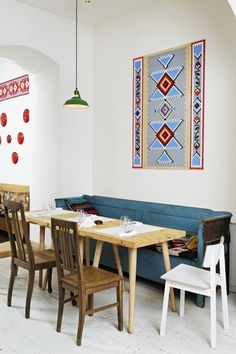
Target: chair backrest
66,245
18,231
213,254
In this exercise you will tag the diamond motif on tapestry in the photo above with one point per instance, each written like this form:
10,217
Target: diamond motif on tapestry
165,109
137,113
165,84
165,134
197,105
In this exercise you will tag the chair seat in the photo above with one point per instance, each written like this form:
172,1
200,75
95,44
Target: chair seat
190,276
92,277
44,258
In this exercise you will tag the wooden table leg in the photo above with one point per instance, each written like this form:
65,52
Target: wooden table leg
132,284
41,247
97,254
81,248
118,263
117,259
166,258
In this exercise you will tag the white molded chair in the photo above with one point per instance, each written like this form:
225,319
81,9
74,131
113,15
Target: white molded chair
199,281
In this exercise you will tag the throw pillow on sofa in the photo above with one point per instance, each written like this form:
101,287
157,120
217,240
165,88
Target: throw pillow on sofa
85,206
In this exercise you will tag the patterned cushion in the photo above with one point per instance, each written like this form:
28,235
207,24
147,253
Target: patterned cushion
185,247
88,208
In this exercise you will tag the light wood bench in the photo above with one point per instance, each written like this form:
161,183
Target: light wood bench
17,192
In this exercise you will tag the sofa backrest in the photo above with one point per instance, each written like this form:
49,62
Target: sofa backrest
166,215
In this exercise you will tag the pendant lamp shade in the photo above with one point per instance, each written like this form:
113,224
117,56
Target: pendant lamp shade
76,101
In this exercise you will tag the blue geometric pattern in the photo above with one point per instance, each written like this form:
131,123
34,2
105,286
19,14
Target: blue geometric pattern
137,160
165,158
198,49
165,137
137,65
196,161
166,59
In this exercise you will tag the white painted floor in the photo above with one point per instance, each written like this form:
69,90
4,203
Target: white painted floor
37,335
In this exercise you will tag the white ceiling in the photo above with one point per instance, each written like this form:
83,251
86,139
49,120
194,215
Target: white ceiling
97,12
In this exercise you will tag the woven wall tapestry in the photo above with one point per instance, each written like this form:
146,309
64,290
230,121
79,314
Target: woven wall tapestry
168,108
14,88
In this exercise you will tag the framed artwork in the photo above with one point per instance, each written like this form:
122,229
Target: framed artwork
168,108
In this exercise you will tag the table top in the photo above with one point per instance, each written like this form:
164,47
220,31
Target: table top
135,241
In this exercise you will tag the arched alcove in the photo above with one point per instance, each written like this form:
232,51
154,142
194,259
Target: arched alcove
38,164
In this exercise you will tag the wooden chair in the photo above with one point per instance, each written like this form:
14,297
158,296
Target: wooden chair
81,281
22,254
199,281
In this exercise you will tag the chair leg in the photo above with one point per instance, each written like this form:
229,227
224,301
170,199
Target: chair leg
29,293
119,292
60,307
225,306
82,311
213,319
182,303
11,283
90,304
164,309
49,276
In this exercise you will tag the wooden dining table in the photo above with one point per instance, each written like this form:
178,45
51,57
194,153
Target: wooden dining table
159,235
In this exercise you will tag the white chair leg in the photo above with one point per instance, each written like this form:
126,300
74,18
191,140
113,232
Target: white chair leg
164,309
213,318
182,302
225,306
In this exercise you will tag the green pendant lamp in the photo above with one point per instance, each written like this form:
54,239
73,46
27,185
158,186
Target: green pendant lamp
76,101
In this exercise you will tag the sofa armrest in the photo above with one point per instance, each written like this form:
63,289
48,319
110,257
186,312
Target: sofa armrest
210,232
214,228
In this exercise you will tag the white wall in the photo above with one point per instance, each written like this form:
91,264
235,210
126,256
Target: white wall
53,36
167,24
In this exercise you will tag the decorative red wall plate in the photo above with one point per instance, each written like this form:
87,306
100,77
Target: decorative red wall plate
20,138
3,119
14,157
26,115
9,138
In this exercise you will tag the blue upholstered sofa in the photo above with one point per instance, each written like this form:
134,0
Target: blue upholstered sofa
209,225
